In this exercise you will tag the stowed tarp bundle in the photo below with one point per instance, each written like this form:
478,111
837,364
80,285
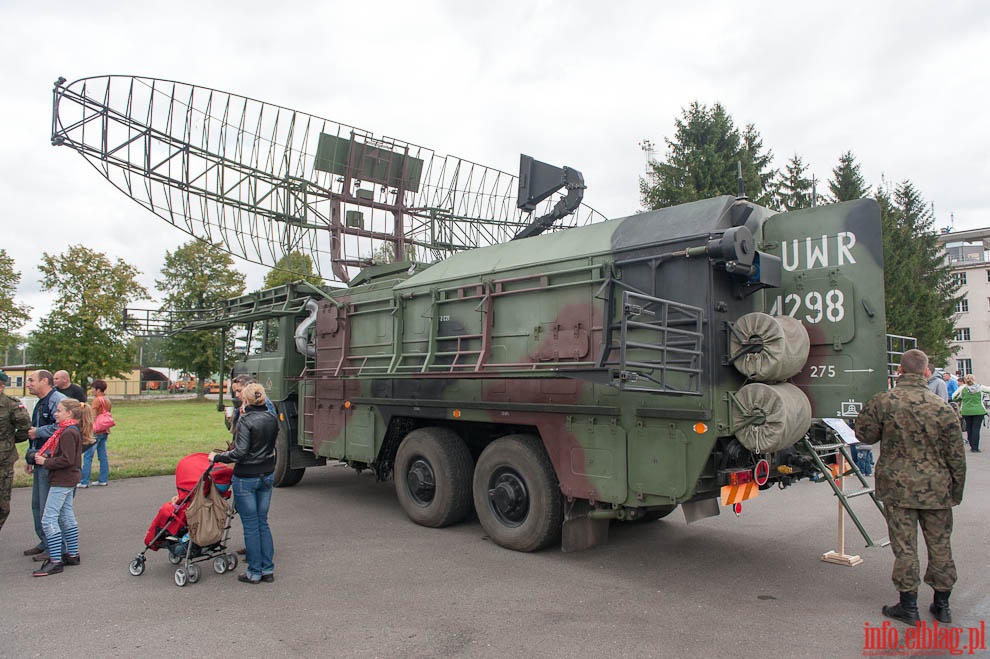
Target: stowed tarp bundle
787,414
775,414
785,345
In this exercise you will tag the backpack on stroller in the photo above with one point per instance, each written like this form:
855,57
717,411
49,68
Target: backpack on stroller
194,526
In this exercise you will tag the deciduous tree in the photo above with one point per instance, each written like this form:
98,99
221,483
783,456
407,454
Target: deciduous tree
196,278
84,332
13,316
292,267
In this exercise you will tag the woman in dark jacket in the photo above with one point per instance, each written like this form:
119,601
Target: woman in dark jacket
61,455
253,456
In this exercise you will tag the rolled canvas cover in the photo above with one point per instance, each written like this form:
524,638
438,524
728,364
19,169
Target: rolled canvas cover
785,348
787,412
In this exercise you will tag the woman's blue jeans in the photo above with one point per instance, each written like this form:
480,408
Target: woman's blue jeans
252,497
100,449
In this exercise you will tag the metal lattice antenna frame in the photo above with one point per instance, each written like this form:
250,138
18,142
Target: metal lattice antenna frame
260,181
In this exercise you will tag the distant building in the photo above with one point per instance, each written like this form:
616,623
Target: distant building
131,384
968,254
18,378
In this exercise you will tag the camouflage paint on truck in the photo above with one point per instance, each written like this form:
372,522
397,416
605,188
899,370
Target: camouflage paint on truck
563,380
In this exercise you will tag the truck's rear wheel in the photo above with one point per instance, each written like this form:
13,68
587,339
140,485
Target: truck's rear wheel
284,476
433,477
516,494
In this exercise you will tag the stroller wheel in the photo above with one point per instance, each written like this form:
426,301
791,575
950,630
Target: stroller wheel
137,567
193,573
173,559
220,564
180,577
231,562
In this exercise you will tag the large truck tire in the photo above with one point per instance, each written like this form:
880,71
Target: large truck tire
433,470
284,476
516,494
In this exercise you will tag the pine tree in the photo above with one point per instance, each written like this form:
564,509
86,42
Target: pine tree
847,181
919,287
703,158
795,188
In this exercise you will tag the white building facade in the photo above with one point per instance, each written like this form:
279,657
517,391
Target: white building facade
968,254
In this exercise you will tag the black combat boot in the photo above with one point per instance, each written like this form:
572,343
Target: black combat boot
940,607
906,610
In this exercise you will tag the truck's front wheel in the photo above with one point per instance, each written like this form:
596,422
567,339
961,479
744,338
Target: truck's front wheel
433,477
516,494
284,476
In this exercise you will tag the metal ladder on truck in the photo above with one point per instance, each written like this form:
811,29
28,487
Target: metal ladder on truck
841,448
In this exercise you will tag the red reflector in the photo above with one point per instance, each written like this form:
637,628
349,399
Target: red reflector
737,509
740,477
761,474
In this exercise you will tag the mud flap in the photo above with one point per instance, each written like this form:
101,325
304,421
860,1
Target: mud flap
695,510
580,531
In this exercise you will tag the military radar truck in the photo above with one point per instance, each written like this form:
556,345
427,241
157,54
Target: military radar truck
552,384
559,382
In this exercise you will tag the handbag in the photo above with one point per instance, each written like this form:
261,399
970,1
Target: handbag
103,422
206,515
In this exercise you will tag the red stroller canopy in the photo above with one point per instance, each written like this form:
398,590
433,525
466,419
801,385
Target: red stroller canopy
191,468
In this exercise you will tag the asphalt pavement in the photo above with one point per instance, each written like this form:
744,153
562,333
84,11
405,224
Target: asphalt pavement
355,578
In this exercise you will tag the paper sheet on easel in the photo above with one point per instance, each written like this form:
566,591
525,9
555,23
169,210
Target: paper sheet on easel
842,429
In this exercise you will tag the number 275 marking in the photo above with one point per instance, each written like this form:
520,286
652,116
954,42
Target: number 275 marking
823,371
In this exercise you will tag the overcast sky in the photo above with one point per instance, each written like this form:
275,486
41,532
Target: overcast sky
904,85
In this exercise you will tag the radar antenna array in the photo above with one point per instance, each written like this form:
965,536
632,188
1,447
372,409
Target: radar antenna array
260,180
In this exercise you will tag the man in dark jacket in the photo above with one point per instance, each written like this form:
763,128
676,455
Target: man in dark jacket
919,477
254,476
41,384
67,387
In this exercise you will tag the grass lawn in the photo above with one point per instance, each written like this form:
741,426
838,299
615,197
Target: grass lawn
151,436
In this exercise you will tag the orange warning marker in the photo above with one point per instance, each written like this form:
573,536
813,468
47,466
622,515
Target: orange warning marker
733,494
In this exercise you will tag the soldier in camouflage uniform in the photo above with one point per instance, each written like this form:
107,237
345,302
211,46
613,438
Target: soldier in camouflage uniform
14,424
919,477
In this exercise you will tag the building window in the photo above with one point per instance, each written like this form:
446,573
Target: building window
962,306
964,366
960,278
962,334
988,275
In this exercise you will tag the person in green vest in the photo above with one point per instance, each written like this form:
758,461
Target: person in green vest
971,407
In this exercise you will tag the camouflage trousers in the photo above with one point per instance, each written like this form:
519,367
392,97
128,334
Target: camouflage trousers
7,461
936,526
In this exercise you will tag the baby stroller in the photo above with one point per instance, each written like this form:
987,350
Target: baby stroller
181,528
